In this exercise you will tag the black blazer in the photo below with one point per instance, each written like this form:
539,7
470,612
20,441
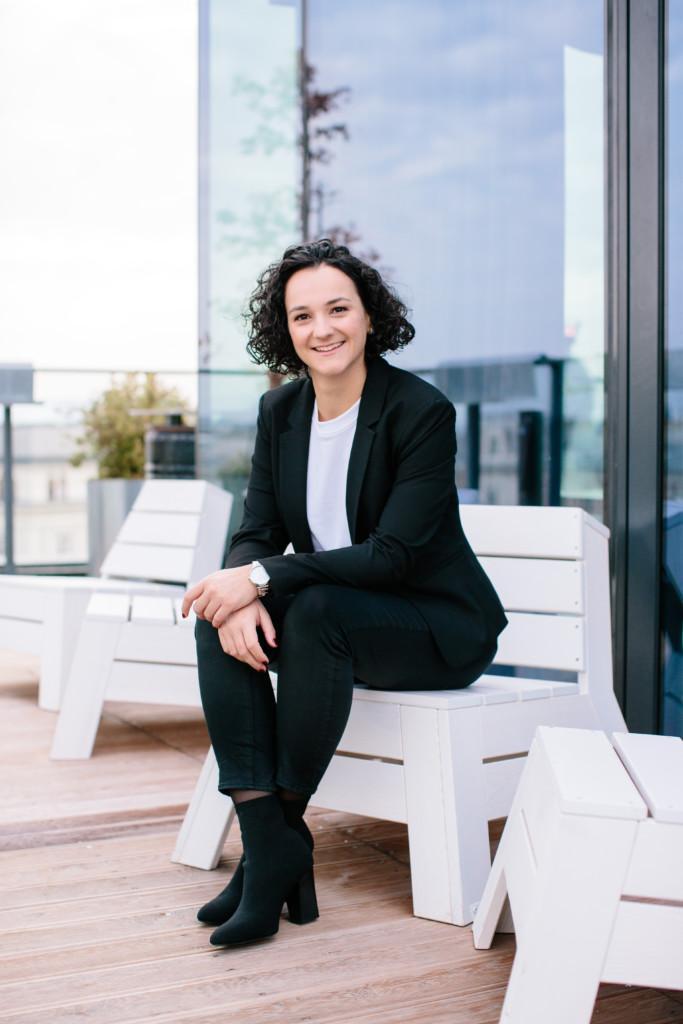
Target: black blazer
401,504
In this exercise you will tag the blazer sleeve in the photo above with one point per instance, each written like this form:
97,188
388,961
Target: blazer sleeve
423,486
262,531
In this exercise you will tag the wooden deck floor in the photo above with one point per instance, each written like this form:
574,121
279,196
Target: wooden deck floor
97,924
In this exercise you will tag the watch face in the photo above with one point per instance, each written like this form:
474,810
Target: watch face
259,575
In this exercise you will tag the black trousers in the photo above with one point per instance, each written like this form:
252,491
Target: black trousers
328,638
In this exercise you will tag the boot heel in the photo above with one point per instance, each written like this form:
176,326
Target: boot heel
301,900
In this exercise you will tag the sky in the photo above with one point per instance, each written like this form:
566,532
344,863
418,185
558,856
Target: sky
98,183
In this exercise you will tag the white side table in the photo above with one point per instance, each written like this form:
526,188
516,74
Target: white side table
591,859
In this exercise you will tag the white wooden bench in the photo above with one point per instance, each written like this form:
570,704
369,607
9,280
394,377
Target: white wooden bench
132,647
175,533
591,859
447,762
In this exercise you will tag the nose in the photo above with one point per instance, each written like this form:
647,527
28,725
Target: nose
322,329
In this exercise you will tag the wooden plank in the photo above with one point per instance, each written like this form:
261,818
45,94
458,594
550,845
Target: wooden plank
22,635
537,585
509,728
108,607
372,788
655,763
152,610
171,496
172,529
655,868
22,600
646,947
161,644
136,562
525,532
588,775
542,641
373,729
154,684
501,779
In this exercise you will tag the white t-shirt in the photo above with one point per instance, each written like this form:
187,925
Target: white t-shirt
328,464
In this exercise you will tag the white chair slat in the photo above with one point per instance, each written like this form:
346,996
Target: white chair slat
375,789
493,691
156,610
171,496
22,602
160,528
373,730
524,532
520,688
421,698
156,643
588,774
655,764
158,684
509,728
500,781
111,607
654,871
542,641
134,561
646,946
538,585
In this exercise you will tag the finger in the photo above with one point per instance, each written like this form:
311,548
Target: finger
221,616
191,595
267,626
252,644
245,655
227,639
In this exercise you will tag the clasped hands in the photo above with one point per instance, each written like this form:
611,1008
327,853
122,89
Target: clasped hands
227,599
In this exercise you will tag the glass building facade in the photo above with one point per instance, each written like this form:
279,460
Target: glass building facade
671,708
471,151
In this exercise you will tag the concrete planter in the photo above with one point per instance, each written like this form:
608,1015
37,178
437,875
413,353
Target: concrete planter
109,502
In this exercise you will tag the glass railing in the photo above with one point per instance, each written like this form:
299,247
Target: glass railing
529,432
51,495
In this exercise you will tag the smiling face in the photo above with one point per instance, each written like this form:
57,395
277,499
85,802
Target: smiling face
327,322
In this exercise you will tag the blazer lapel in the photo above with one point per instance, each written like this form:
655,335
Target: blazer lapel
294,447
293,465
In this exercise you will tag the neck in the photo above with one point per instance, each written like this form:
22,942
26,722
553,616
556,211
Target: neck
335,396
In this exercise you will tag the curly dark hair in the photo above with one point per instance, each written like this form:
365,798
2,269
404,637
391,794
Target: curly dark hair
269,339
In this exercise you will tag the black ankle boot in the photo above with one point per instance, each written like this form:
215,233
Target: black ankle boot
278,868
221,908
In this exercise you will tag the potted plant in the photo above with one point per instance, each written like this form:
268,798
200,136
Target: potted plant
114,427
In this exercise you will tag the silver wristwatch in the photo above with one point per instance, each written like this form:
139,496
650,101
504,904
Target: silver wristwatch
260,578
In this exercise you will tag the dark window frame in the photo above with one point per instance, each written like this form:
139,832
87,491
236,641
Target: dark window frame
635,321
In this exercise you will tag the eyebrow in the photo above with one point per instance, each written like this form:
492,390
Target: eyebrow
328,303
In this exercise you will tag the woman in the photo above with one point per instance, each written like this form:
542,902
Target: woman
354,465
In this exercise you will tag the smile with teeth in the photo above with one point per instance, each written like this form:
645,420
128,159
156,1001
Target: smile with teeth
328,348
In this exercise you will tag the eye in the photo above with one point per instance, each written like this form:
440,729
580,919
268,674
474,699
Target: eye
344,309
299,315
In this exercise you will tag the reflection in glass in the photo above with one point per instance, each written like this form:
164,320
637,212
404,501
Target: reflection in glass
461,150
672,568
249,180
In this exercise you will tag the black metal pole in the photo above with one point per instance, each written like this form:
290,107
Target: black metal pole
556,430
473,445
8,491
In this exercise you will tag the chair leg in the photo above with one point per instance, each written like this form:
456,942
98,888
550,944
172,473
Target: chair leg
446,804
64,615
83,697
567,927
207,821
